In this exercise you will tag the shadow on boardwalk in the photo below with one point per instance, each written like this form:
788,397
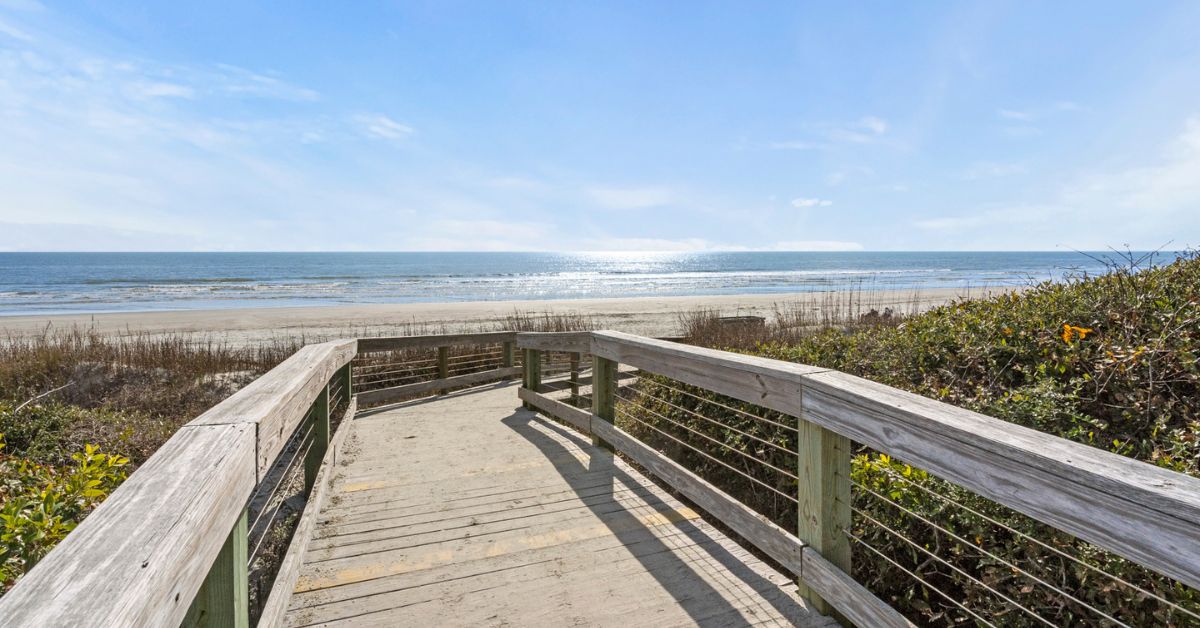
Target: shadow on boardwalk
707,600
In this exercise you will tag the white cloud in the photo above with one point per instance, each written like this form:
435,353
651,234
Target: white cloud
878,126
1013,114
239,81
14,32
816,245
811,202
161,90
1134,205
992,169
796,145
643,197
383,127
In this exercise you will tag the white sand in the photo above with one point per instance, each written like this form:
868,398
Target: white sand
653,316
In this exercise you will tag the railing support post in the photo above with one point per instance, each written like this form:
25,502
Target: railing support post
347,377
320,439
506,355
604,393
823,497
575,379
443,365
533,372
224,598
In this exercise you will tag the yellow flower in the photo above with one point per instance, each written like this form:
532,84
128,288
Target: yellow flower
1070,332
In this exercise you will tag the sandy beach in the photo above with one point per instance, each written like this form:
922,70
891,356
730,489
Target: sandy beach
653,316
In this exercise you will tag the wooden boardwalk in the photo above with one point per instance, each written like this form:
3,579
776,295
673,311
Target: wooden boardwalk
468,510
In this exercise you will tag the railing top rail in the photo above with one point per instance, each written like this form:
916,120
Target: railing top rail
1145,513
141,556
396,343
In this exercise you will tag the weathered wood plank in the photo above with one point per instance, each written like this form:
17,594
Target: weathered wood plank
558,341
384,395
823,498
769,383
276,402
289,570
580,419
851,599
141,556
224,599
1144,513
776,542
395,343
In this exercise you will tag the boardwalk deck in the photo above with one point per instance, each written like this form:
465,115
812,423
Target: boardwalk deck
467,510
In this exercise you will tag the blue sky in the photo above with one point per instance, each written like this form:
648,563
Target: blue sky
599,126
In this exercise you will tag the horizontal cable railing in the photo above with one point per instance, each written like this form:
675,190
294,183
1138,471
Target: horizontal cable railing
387,370
950,515
185,540
873,497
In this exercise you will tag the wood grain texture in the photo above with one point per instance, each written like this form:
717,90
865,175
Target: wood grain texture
579,419
141,556
557,341
852,600
277,602
776,542
224,599
499,517
372,345
823,498
769,383
276,402
385,395
1144,513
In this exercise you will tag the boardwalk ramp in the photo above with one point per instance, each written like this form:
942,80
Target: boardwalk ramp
469,510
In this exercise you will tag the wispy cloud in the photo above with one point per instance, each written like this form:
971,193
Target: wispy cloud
383,127
1084,212
816,245
865,130
639,197
993,169
811,202
14,32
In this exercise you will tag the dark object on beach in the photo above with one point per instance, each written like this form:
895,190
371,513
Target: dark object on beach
743,321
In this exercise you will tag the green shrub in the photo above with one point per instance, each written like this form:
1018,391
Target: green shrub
1111,362
41,504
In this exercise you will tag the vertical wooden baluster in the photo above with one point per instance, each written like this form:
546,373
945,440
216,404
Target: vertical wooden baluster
533,372
575,379
506,360
223,600
823,495
347,376
604,393
443,365
320,439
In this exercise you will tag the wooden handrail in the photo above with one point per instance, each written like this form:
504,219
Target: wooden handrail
141,556
1141,512
396,343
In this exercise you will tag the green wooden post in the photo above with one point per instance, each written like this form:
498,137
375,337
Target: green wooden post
443,364
320,439
823,496
224,598
347,377
533,372
604,393
506,356
575,379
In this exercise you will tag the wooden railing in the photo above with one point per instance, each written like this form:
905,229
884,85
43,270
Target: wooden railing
390,369
1141,512
170,546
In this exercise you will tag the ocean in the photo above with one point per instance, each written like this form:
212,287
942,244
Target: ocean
65,283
